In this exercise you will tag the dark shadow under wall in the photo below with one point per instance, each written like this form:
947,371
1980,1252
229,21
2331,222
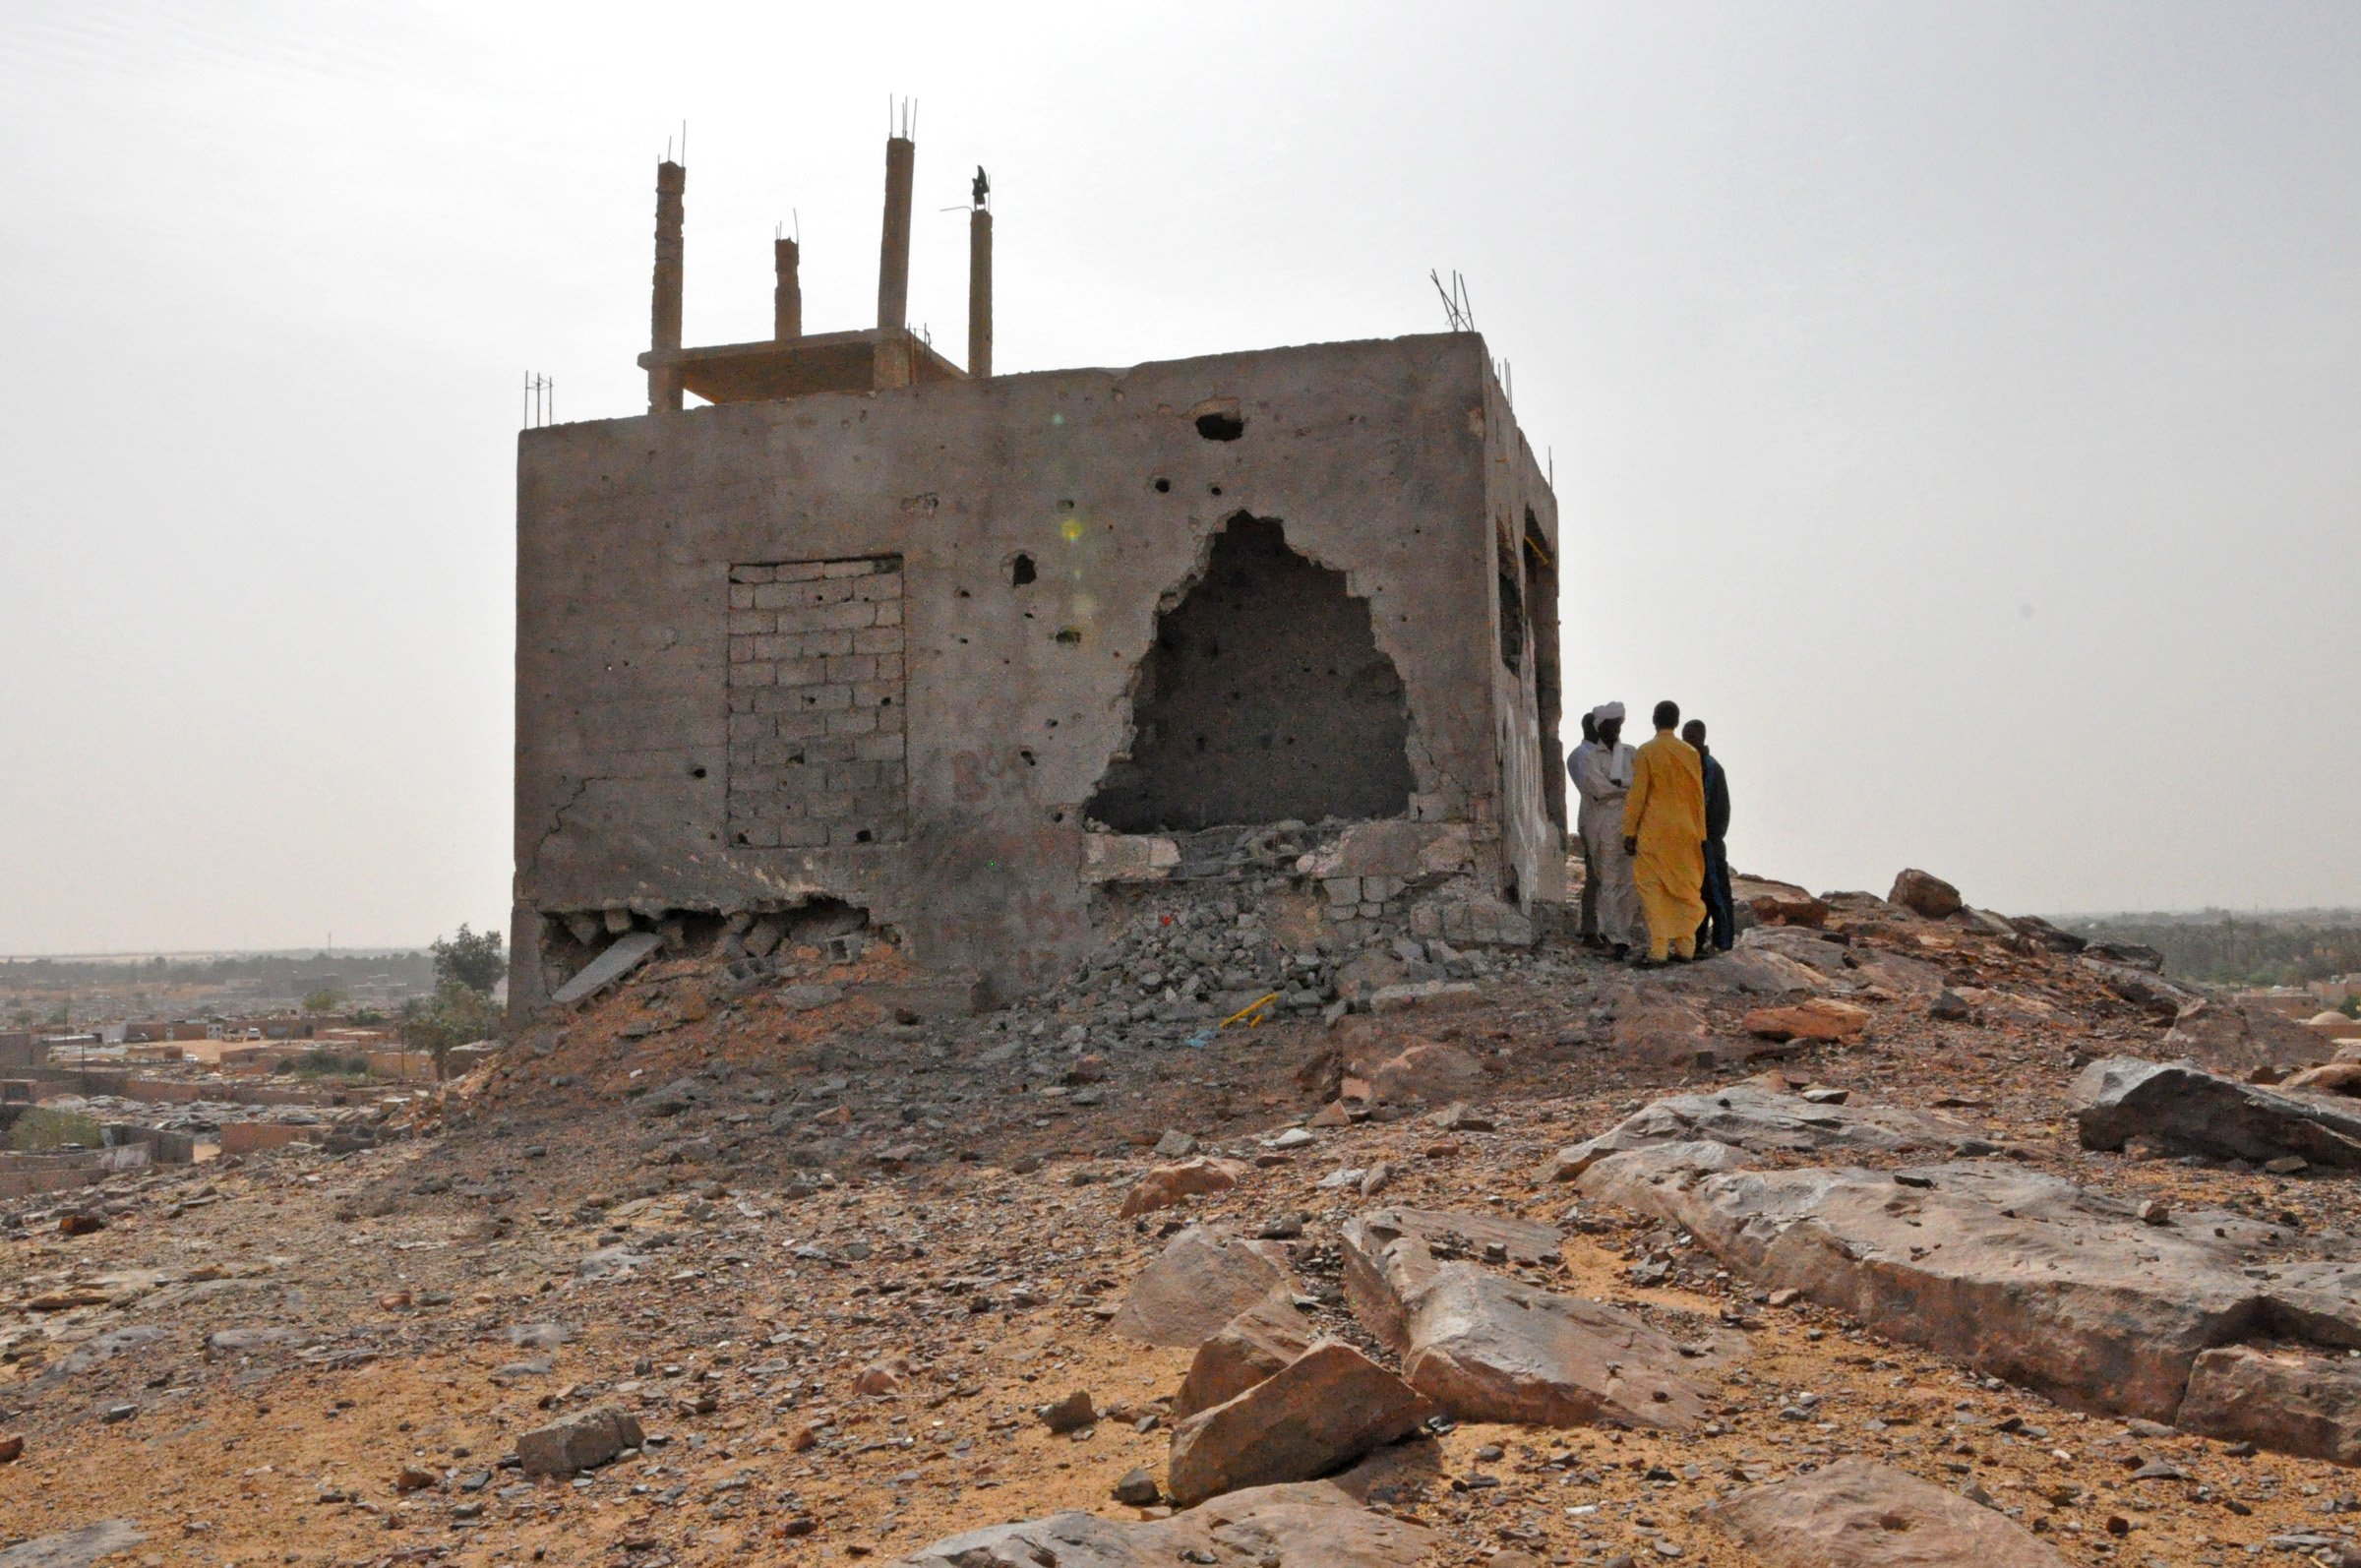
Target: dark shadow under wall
1264,698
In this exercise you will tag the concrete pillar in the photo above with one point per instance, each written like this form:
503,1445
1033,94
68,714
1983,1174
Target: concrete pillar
893,252
787,300
664,324
979,293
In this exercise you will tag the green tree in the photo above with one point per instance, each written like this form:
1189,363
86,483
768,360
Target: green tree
475,960
459,1015
326,1000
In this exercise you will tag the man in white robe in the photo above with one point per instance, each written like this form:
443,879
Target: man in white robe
1602,772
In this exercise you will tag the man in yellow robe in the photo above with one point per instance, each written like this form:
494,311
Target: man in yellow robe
1664,830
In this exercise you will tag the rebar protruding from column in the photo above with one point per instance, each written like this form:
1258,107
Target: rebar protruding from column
664,322
979,282
787,299
893,252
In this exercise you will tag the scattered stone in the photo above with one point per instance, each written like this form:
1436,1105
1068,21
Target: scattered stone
1070,1413
1196,1284
1324,1410
1138,1488
2183,1109
1175,1145
1856,1514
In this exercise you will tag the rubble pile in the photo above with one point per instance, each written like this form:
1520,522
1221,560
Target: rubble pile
1292,1228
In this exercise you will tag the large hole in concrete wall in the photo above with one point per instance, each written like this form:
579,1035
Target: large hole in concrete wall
1264,698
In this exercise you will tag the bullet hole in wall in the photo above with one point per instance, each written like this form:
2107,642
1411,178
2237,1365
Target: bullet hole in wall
1021,571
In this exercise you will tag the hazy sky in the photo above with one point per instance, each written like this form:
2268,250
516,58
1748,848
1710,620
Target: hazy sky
1960,407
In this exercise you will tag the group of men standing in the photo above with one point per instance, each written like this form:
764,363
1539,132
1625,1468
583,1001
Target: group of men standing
1655,820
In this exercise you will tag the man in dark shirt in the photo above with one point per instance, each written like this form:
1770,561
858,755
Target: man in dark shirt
1720,921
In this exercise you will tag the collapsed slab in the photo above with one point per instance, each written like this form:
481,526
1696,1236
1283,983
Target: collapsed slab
2019,1274
1855,1514
2183,1109
1764,1120
1197,1283
1324,1410
1316,1522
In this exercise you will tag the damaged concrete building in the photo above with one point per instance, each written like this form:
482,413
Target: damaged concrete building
872,640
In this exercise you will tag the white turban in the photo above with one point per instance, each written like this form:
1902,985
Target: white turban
1605,711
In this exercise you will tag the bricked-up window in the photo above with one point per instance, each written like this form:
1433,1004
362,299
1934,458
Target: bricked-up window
818,699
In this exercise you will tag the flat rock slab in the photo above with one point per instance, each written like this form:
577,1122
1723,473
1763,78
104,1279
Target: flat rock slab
2289,1399
2020,1275
1391,1255
1315,1522
1488,1349
75,1548
1196,1284
1854,1514
1764,1120
1321,1412
1251,1346
2183,1109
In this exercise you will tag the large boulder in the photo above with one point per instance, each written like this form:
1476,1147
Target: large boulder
1761,1120
2019,1274
2182,1108
1778,903
1251,1346
581,1442
2234,1038
1922,893
1390,1255
1856,1514
2286,1398
1310,1522
1198,1283
1168,1184
1490,1349
1321,1412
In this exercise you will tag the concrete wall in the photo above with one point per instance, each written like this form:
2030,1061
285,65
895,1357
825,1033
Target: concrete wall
1378,460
